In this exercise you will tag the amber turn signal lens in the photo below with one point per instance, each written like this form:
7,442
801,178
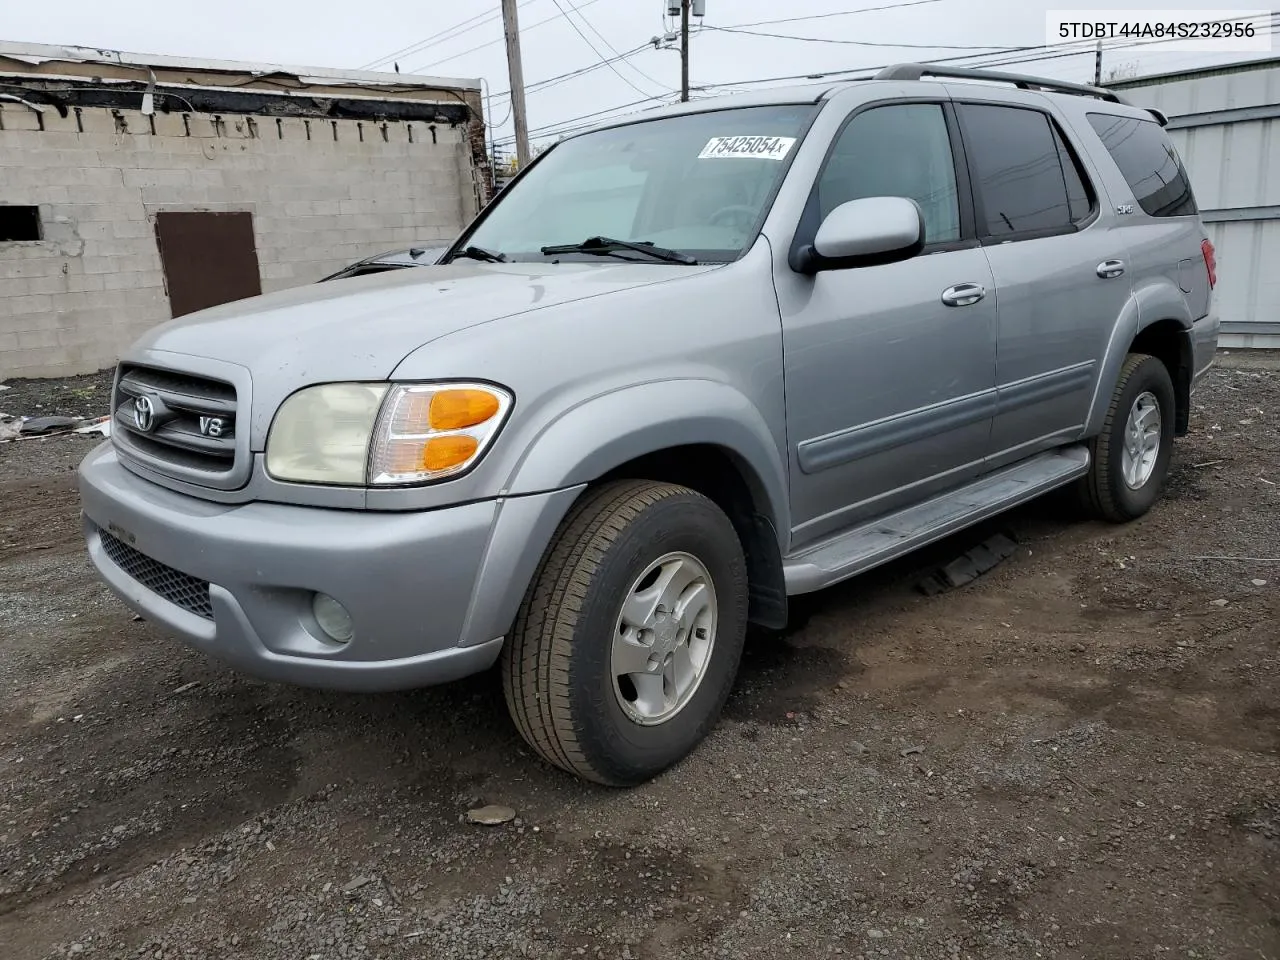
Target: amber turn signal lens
458,409
441,453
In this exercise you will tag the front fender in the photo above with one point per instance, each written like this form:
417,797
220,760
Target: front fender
1151,302
604,432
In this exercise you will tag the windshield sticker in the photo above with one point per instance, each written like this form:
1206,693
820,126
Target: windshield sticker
759,148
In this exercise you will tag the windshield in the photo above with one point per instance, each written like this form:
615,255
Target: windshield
698,184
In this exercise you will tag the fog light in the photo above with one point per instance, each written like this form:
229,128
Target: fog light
332,617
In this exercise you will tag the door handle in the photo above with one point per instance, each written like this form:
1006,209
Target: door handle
963,294
1110,269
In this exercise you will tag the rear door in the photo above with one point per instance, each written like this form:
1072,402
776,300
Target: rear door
1061,270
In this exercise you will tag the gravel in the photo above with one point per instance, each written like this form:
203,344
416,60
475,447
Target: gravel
85,396
1076,755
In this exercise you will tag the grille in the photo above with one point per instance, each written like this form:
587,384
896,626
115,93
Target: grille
191,430
180,589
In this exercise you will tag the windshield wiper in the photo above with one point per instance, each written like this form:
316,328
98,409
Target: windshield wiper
603,246
480,253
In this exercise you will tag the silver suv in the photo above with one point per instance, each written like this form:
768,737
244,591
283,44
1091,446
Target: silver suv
688,366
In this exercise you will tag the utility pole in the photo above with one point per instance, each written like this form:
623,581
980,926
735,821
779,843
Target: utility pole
1097,66
516,73
684,51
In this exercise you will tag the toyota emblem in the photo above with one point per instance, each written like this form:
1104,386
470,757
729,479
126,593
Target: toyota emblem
144,414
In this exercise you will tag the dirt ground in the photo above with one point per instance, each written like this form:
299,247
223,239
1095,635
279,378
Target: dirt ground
1075,756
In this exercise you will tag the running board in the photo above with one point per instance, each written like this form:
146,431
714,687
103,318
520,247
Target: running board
887,538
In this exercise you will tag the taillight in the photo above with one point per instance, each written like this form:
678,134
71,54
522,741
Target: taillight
1210,263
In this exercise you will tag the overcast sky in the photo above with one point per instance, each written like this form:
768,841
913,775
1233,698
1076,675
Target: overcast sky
353,33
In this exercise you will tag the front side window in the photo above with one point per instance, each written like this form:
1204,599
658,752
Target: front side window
1149,163
896,151
699,184
1018,171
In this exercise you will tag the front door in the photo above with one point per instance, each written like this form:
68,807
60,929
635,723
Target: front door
890,370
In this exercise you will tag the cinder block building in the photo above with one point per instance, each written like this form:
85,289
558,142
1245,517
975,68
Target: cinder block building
138,188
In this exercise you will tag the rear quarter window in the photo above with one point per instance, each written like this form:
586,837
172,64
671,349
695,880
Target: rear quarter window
1149,163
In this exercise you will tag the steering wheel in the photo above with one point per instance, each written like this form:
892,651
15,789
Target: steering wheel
737,215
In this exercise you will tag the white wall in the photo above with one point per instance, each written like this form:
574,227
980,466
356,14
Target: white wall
71,302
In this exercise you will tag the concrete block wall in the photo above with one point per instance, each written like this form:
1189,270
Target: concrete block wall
323,193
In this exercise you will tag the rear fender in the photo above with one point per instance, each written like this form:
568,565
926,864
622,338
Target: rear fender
1151,302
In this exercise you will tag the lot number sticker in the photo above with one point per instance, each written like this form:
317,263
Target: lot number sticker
759,148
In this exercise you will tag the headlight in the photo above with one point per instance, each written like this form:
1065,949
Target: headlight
355,434
321,434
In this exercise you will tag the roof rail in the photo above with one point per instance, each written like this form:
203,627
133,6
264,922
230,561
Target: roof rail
914,71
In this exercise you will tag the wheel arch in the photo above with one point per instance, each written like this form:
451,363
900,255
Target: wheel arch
727,480
1170,342
1155,320
702,434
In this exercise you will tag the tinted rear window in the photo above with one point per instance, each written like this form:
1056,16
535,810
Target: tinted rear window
1017,163
1149,163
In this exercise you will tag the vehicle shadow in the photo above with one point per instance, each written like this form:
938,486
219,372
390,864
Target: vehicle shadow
783,671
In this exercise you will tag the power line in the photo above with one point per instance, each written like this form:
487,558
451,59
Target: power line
425,42
587,40
605,41
523,30
997,57
572,74
597,116
1077,50
861,43
575,124
479,20
1089,48
488,18
839,13
561,126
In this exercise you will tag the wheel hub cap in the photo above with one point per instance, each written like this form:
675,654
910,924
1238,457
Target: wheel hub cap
663,640
1141,441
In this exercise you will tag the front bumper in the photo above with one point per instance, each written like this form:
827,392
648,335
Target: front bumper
430,593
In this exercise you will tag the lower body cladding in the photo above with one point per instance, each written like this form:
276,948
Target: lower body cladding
421,598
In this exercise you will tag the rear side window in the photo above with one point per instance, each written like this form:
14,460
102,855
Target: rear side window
1026,179
1149,163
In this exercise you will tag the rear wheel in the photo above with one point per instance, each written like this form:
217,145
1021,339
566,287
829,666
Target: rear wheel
628,641
1131,455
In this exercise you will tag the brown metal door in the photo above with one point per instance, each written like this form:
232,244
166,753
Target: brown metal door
208,259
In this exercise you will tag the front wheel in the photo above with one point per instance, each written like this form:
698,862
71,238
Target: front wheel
628,641
1131,454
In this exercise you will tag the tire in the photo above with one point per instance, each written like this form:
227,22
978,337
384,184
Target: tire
558,668
1105,492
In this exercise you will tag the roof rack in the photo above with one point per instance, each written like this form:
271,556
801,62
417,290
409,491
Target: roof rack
914,71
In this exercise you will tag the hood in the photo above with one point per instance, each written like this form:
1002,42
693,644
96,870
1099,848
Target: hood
360,328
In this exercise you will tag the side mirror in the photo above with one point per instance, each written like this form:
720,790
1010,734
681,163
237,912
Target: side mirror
863,233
